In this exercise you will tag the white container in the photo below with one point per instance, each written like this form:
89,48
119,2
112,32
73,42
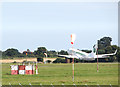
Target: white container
28,67
21,71
14,67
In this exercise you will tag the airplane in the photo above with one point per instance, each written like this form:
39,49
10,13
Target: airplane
78,54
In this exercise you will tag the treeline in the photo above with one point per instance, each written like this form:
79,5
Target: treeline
104,47
39,53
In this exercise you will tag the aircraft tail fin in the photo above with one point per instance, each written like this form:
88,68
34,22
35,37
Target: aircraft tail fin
95,47
94,51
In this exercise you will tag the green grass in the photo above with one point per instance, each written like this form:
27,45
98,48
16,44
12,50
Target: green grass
85,73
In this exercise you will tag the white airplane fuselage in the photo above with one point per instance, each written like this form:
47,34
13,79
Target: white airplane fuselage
78,54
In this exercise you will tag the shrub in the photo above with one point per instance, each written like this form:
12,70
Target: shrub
58,60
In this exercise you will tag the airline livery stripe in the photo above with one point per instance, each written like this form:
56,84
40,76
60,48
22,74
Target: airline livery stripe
80,53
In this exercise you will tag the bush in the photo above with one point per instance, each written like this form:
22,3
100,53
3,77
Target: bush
48,61
58,60
40,59
14,62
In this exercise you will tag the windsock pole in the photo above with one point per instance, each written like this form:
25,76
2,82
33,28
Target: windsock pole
73,66
73,36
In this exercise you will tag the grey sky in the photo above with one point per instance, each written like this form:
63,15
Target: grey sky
49,24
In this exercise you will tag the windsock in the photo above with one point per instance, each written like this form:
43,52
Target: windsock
73,37
26,53
45,54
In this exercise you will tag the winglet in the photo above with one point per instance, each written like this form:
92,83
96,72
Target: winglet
115,51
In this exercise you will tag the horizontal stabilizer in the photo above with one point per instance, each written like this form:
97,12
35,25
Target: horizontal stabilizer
110,53
105,55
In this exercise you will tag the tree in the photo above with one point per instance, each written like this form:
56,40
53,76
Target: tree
40,52
52,53
105,47
62,52
40,59
59,60
101,51
118,54
104,42
108,49
0,54
114,47
48,61
11,52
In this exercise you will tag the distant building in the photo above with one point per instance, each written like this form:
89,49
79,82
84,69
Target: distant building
27,52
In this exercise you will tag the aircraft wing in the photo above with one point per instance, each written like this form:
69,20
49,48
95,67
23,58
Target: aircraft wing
110,53
68,56
105,55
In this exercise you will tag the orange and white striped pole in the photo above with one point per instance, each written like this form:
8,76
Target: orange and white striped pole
73,66
73,37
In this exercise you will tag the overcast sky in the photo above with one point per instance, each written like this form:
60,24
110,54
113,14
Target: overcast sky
28,25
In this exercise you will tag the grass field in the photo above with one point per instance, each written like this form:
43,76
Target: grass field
85,73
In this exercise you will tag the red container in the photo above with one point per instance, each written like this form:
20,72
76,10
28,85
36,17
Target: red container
28,72
14,72
21,67
29,69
